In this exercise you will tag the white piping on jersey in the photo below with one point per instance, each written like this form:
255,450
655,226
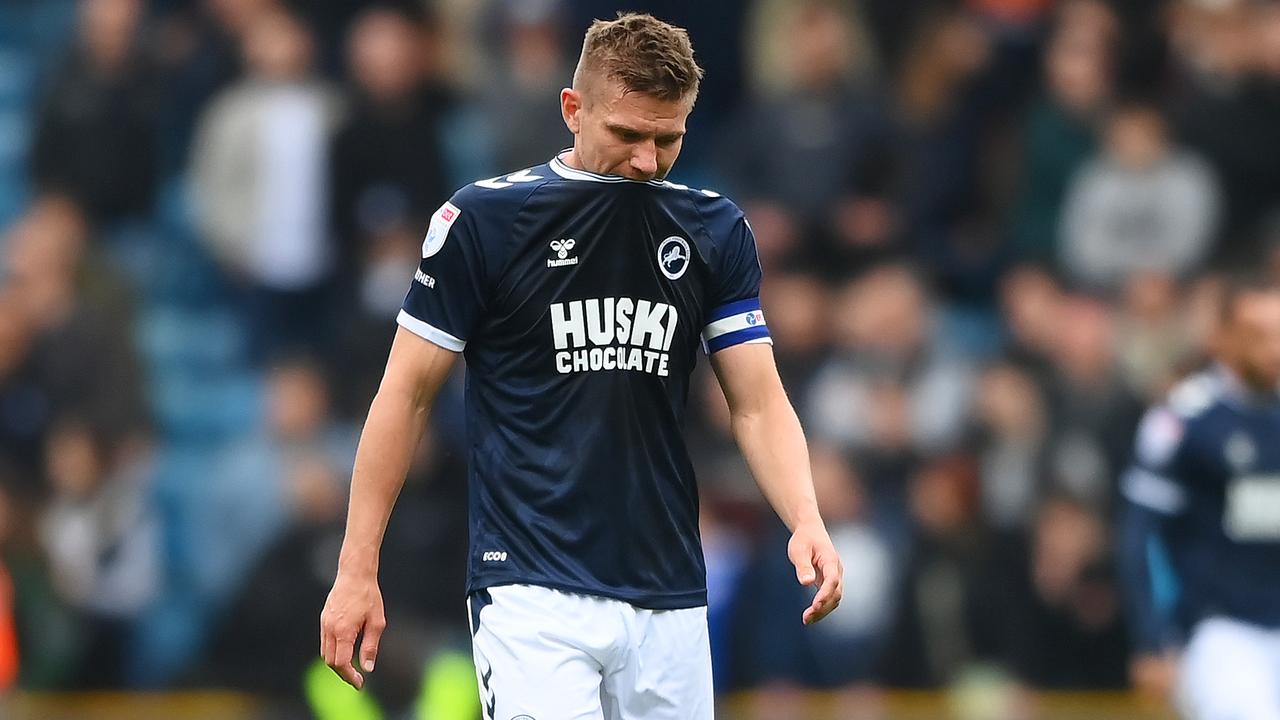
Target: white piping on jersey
430,332
560,168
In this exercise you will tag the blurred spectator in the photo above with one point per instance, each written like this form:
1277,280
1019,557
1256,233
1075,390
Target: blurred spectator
943,130
281,495
1142,206
1157,345
520,105
24,404
1032,303
800,323
73,308
838,656
1073,636
1201,307
387,165
103,545
49,634
888,389
1061,130
722,473
822,129
387,175
727,550
423,566
953,608
1013,423
295,471
96,130
1094,412
198,50
422,571
260,170
1229,108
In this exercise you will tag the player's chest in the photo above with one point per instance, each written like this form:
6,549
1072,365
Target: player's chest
599,294
603,250
1239,464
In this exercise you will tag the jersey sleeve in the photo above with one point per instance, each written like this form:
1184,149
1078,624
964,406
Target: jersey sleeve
1155,489
735,316
1154,480
446,297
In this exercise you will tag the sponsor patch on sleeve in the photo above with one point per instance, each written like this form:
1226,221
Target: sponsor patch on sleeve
438,231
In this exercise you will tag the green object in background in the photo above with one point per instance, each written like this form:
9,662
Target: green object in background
332,699
983,692
449,689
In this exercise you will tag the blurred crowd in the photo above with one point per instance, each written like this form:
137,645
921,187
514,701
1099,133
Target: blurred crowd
992,232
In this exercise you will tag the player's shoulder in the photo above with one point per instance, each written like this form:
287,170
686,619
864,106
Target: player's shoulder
718,214
487,208
707,200
502,192
481,212
1187,410
1196,395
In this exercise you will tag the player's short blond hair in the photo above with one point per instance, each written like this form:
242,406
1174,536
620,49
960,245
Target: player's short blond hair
643,54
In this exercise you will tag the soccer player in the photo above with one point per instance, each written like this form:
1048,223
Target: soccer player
1201,536
579,292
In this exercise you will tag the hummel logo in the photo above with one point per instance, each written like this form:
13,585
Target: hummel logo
562,249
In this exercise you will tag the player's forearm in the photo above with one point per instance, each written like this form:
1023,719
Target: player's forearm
1146,616
773,444
387,443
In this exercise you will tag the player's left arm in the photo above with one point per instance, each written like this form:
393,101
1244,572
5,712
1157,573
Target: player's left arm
769,434
1155,493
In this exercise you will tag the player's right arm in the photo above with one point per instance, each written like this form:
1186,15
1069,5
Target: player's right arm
443,305
1155,495
416,369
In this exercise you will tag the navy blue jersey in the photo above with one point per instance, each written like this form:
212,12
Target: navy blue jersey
579,302
1204,492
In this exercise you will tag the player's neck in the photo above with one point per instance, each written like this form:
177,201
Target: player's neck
1248,385
572,160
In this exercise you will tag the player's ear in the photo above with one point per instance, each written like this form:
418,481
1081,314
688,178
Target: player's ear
571,108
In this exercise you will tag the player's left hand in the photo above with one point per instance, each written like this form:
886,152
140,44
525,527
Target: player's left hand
817,563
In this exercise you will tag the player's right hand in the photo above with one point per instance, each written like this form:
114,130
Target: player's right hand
354,606
1153,676
817,563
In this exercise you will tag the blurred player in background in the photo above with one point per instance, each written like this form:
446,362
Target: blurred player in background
1201,541
580,291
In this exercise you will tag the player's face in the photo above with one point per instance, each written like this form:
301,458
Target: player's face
623,133
1254,339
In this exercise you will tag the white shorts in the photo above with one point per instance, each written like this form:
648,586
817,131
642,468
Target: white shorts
543,654
1230,671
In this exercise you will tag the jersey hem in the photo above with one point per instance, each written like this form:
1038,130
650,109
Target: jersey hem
674,601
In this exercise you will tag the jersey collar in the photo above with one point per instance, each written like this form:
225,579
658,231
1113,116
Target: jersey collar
559,167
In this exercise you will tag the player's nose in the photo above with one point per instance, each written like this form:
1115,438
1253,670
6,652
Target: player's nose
644,160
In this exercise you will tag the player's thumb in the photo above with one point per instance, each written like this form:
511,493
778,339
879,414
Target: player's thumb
369,644
802,559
